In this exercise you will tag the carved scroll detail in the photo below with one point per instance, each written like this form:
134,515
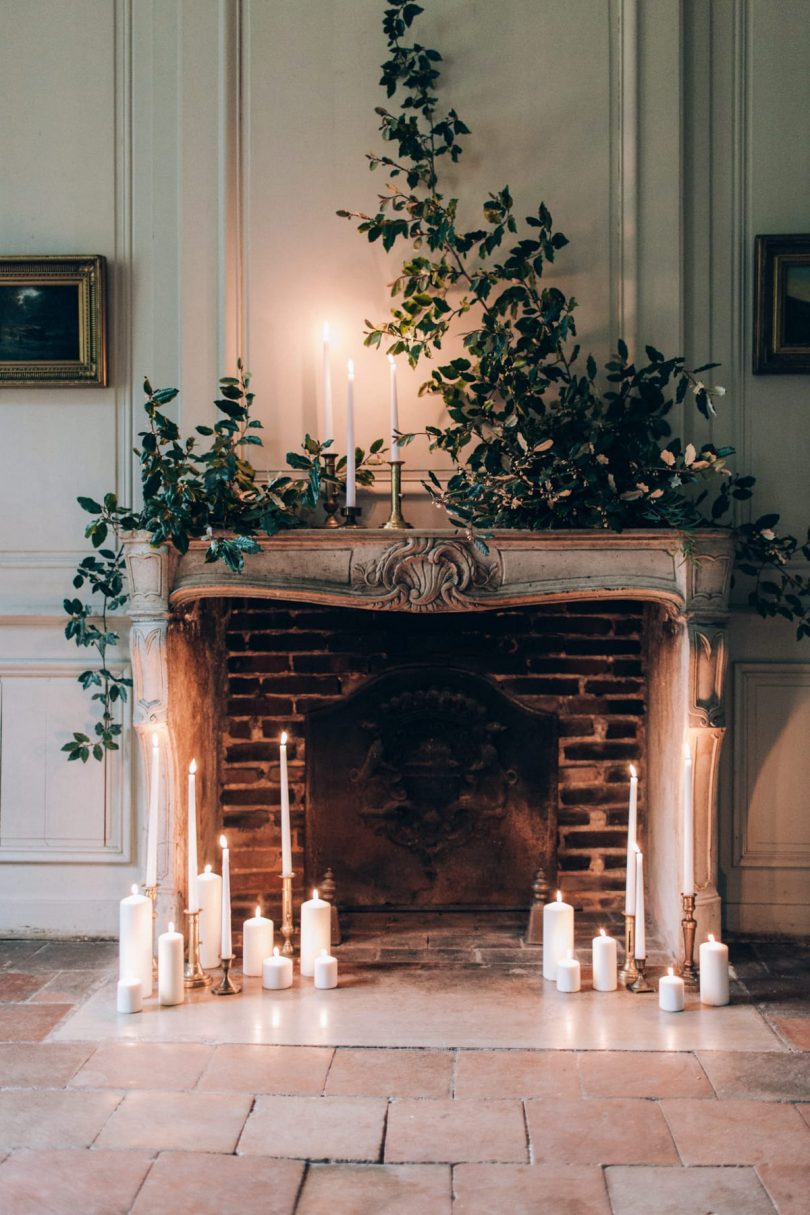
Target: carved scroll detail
708,665
426,574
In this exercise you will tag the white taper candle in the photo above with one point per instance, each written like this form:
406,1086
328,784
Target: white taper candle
641,936
328,415
688,877
193,901
226,949
396,454
351,490
286,841
632,831
152,820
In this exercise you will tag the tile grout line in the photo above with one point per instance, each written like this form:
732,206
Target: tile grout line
301,1184
332,1058
529,1144
384,1136
454,1072
253,1099
152,1163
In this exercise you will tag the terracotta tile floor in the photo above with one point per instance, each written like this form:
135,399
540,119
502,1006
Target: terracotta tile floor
453,1082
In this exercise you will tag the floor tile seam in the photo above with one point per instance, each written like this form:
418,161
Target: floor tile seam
300,1191
764,1184
235,1149
384,1132
106,1121
329,1067
530,1153
454,1073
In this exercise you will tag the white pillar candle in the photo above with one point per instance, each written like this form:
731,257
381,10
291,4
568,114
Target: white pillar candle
170,967
632,831
277,972
193,901
128,998
604,956
396,454
152,819
558,935
286,842
316,931
670,992
569,974
257,943
328,415
713,972
326,970
688,876
641,934
209,892
225,947
135,940
351,491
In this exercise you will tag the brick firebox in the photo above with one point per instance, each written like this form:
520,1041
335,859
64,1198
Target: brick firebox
581,661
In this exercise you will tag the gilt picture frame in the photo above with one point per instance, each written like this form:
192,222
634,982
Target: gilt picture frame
53,321
782,305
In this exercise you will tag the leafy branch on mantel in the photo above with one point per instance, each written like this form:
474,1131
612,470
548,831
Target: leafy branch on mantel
538,437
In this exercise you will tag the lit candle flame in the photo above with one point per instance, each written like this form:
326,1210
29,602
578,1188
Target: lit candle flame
258,911
711,937
391,361
324,953
350,368
192,768
602,932
633,773
171,925
687,752
155,739
134,888
559,896
223,843
326,331
283,738
670,971
207,868
275,951
314,894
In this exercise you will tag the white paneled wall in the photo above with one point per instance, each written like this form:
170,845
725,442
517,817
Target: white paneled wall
204,146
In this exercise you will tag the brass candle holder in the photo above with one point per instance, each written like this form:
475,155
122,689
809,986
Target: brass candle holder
287,914
151,893
629,971
193,973
226,985
330,490
396,520
689,972
640,985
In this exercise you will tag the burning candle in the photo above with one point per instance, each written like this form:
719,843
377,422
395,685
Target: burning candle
209,892
670,992
558,935
316,931
193,900
277,972
286,844
135,940
713,972
569,974
326,970
396,455
257,943
688,880
226,948
604,957
170,967
328,416
641,935
351,491
632,829
152,820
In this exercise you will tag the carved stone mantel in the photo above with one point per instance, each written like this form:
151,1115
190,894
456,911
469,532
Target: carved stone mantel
445,571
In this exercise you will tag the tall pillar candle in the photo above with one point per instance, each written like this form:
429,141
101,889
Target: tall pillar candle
641,932
209,892
328,415
226,948
316,931
193,901
632,831
558,935
171,989
671,992
351,490
257,943
713,972
688,865
152,818
135,940
396,454
604,958
286,842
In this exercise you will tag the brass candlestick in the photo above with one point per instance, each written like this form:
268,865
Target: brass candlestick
330,493
640,985
226,985
151,893
629,971
689,972
396,521
193,974
287,914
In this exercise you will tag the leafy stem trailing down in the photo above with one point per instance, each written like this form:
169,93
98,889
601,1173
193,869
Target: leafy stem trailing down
189,492
535,440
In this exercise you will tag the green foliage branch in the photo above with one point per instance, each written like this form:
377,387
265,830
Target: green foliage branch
535,439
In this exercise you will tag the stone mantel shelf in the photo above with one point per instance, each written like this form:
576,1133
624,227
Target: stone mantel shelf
442,570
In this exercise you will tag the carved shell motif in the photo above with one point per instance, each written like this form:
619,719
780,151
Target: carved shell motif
426,574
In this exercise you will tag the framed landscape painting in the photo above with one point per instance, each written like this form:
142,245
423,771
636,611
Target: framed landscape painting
52,321
782,305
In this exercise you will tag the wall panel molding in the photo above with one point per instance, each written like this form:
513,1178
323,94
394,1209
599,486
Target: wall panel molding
624,49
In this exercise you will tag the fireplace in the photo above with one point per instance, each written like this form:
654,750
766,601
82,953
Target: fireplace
616,642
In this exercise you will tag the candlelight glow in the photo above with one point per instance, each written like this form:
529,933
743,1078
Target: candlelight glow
283,738
324,953
326,331
711,934
192,768
171,925
135,891
350,369
207,868
391,361
155,739
570,955
223,843
258,912
559,896
670,971
602,932
275,951
633,773
314,894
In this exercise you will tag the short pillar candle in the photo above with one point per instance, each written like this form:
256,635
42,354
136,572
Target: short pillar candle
605,962
277,972
326,970
171,989
257,942
670,992
569,974
713,972
128,995
316,931
558,935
